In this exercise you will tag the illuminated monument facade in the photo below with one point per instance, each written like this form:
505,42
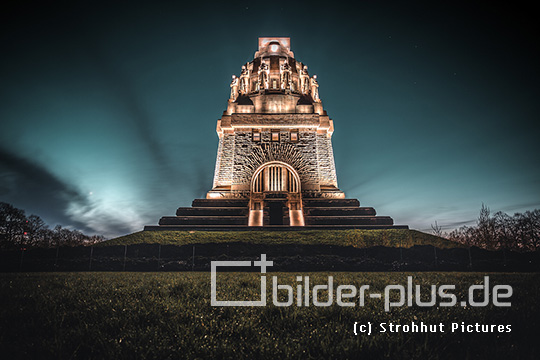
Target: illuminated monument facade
275,164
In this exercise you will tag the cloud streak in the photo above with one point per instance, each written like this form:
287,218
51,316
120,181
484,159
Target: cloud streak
28,184
31,186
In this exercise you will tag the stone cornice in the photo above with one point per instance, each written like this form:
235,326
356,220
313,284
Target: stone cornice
231,123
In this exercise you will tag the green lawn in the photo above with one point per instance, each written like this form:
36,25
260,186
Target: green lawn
357,238
168,316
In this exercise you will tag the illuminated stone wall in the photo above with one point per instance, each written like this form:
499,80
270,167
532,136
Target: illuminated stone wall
325,159
239,156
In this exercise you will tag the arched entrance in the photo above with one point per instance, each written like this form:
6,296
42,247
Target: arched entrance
275,196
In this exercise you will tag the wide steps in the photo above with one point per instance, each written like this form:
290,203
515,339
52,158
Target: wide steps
319,213
212,211
348,220
268,227
220,203
321,202
339,211
204,220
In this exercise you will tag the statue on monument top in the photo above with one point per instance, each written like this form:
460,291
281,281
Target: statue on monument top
285,70
315,89
304,80
262,83
234,88
244,80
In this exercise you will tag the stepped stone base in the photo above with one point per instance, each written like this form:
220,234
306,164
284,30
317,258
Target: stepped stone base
233,214
268,227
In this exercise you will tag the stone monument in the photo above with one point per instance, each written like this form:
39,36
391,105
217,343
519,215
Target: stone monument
275,165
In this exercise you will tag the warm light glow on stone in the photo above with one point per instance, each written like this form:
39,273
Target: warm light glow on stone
255,218
297,217
213,195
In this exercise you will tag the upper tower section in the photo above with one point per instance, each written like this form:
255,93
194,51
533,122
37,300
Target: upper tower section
274,82
274,46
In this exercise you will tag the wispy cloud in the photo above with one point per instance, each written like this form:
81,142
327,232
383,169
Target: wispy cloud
32,186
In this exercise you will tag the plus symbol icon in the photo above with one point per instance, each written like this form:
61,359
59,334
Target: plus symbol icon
263,263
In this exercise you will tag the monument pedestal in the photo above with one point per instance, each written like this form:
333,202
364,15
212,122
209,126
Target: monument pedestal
233,214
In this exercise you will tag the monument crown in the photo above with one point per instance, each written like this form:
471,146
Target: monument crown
274,82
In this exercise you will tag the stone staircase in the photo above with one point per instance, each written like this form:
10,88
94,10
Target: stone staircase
233,214
343,212
205,212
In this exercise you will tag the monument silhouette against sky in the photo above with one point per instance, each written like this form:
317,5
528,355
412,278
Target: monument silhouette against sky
275,165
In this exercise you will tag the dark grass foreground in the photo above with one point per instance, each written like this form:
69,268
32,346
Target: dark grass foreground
168,316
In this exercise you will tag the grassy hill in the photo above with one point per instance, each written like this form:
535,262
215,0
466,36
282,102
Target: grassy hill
309,250
356,238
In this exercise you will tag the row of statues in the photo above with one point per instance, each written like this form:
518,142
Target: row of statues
307,85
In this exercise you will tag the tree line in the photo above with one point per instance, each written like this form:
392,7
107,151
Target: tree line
520,232
20,231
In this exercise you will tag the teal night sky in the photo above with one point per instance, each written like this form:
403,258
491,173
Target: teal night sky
108,111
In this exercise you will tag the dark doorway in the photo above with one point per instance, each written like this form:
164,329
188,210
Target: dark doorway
276,212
